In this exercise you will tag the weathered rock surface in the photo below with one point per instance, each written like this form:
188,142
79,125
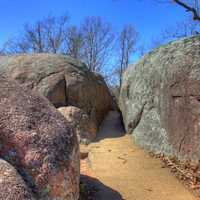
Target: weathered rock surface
37,140
63,80
85,128
160,99
12,186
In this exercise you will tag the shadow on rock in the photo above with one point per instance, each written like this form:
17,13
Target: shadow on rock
111,127
92,189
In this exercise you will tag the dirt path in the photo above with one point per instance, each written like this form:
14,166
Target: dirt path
123,171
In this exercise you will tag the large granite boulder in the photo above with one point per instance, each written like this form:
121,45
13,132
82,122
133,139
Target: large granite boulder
63,80
84,127
37,140
12,186
160,99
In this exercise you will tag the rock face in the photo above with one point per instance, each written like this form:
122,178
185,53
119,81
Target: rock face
85,128
63,80
12,186
160,99
36,139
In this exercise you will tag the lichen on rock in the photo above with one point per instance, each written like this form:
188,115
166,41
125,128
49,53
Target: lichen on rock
159,99
38,142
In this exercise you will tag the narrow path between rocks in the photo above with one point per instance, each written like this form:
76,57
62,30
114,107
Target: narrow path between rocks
123,171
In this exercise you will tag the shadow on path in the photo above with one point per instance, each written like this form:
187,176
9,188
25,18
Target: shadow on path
96,190
111,127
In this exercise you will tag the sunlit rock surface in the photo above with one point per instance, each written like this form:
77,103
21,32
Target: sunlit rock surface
160,99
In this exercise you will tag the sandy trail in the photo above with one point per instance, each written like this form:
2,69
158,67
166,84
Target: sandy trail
124,171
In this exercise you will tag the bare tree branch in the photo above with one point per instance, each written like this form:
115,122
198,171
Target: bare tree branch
127,46
74,42
98,42
185,28
47,35
188,8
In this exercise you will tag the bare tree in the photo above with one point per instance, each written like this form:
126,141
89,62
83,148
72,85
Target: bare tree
15,46
75,42
34,39
181,29
91,43
2,52
97,44
185,28
127,46
46,35
142,50
56,30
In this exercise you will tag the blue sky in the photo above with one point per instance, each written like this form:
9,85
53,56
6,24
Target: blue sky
147,16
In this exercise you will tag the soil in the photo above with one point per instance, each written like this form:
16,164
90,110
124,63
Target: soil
117,169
